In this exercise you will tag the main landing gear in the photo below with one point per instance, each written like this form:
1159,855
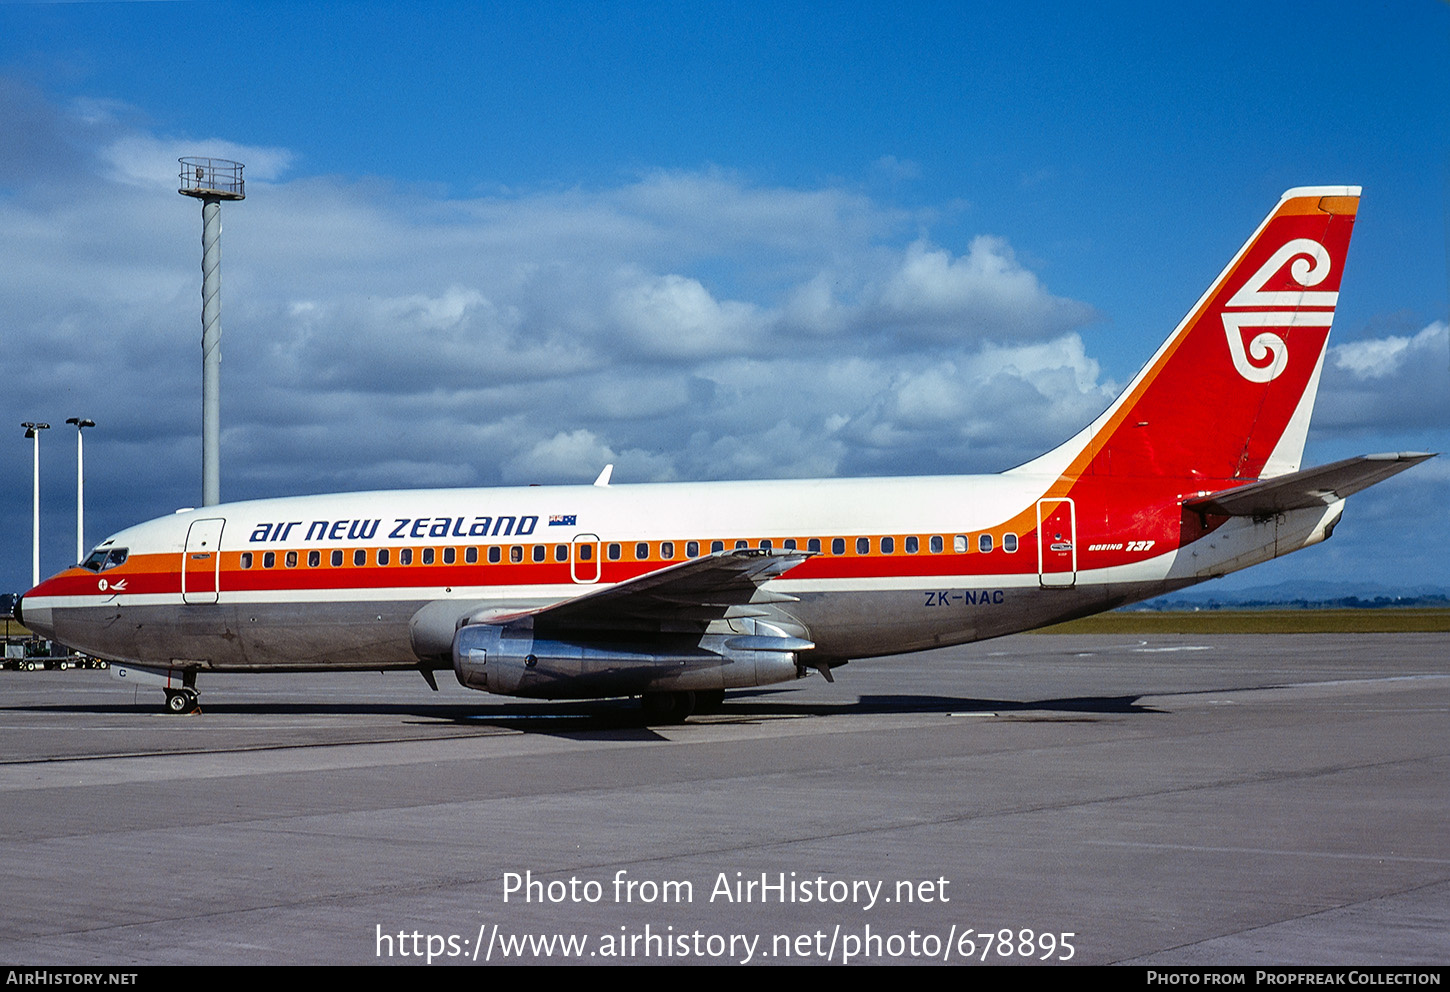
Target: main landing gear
676,707
185,699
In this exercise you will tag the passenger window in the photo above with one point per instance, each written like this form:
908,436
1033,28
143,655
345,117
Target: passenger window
561,552
717,546
641,551
314,558
667,550
936,544
450,555
290,559
814,545
863,545
383,556
692,549
984,543
888,545
360,557
838,545
246,559
470,555
405,557
427,556
336,559
1009,543
742,544
516,553
959,544
540,552
765,545
789,544
269,559
613,552
495,555
586,552
912,545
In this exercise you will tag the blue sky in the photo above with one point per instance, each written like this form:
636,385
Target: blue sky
500,243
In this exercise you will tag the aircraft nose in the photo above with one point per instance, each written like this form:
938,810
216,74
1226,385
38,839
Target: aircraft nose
34,618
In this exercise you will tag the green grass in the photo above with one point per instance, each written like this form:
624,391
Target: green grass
1384,621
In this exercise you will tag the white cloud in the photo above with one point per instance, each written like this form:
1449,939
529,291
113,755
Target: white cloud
984,295
676,317
898,169
578,456
1395,383
987,409
154,163
1380,358
563,456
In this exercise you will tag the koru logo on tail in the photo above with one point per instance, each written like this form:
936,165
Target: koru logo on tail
1263,357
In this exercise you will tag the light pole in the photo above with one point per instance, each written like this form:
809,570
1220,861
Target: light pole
211,180
33,430
81,424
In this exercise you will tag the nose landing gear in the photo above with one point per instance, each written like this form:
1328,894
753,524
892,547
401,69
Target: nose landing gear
184,699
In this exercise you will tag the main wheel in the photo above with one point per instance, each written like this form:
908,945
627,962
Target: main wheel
667,707
709,701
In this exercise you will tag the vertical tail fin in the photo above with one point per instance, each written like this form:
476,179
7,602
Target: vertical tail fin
1229,394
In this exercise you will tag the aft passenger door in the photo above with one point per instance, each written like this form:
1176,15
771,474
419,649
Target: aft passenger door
1056,543
201,561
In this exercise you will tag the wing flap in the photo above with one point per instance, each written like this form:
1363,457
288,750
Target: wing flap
1311,487
717,586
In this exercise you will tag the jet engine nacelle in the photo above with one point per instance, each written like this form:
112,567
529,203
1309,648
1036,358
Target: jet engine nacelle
509,659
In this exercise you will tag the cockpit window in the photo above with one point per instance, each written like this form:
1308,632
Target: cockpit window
104,558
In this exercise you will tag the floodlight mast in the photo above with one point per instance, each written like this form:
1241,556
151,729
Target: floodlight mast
211,180
81,424
32,430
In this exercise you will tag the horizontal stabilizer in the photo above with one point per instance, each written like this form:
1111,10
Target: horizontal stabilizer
1311,487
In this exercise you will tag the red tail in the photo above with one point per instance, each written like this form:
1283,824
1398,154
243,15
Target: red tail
1229,394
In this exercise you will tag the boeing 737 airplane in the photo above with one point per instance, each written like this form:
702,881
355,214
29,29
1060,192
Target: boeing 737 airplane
677,592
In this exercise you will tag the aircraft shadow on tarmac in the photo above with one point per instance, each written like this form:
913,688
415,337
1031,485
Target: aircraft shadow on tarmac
613,715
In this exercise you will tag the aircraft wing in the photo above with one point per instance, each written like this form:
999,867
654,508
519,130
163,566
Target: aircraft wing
680,597
1311,487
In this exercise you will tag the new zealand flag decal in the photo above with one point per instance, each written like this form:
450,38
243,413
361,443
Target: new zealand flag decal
564,520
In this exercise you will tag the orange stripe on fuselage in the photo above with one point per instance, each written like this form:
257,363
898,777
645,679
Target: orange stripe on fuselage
159,574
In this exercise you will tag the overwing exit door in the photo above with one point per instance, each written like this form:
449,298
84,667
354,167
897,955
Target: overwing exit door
584,558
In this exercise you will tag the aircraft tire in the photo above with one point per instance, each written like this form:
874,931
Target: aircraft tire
180,701
709,701
667,707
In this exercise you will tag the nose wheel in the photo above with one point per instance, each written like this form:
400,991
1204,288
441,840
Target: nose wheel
184,700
